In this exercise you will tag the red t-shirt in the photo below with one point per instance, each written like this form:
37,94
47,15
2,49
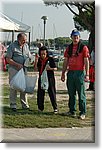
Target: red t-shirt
76,62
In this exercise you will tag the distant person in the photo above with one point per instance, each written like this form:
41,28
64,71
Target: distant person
76,61
17,53
92,72
2,57
45,61
39,45
2,48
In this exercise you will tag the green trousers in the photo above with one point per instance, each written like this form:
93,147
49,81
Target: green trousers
75,82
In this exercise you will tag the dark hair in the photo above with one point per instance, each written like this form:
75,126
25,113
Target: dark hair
43,48
79,49
21,35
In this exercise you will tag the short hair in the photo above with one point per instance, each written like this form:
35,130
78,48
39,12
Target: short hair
21,35
43,48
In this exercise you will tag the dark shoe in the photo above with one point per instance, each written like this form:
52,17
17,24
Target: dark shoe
40,111
14,109
88,89
25,108
70,114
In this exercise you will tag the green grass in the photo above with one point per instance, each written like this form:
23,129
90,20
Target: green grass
26,118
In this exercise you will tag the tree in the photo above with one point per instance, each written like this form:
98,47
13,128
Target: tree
84,16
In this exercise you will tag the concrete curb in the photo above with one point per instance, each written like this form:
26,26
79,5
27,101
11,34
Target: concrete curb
49,135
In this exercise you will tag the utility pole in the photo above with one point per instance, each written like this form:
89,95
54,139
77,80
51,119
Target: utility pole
44,21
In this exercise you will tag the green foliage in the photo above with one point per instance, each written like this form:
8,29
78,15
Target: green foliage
62,41
79,24
84,16
85,20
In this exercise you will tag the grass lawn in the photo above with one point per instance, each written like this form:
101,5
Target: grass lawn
26,118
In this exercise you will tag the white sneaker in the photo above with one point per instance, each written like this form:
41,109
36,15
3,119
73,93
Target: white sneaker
55,111
82,116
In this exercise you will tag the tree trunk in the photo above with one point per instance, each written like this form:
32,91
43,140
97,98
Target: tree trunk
91,42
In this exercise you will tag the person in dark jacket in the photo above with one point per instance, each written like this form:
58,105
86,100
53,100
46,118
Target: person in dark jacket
46,63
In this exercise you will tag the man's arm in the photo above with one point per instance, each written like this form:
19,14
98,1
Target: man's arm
86,62
65,64
12,62
36,62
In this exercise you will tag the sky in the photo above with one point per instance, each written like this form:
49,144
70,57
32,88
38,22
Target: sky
59,24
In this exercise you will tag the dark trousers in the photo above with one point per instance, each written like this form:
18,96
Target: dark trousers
75,82
51,92
91,86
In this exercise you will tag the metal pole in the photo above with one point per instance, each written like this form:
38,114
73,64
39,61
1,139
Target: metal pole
44,31
32,34
44,19
29,40
13,36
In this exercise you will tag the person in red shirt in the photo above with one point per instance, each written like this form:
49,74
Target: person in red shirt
92,71
77,63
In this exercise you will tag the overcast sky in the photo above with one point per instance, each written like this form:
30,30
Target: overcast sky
59,23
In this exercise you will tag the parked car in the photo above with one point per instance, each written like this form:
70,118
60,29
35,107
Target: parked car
50,53
55,55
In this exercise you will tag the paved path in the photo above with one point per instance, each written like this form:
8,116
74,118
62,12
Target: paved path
33,135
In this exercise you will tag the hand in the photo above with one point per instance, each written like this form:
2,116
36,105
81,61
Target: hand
86,79
32,59
48,67
55,69
19,66
63,77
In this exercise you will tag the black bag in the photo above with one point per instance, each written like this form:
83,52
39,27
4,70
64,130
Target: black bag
79,49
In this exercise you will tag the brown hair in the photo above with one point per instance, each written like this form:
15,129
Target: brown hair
21,35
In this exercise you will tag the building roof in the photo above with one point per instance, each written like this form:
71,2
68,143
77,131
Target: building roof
8,24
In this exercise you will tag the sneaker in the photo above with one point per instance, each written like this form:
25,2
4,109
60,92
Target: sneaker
70,114
55,111
25,108
82,116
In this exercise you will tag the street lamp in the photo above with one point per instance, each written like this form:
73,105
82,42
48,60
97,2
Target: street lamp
44,19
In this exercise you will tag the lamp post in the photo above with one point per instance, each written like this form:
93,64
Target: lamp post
44,19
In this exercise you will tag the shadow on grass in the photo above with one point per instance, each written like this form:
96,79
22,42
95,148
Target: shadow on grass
32,118
8,111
